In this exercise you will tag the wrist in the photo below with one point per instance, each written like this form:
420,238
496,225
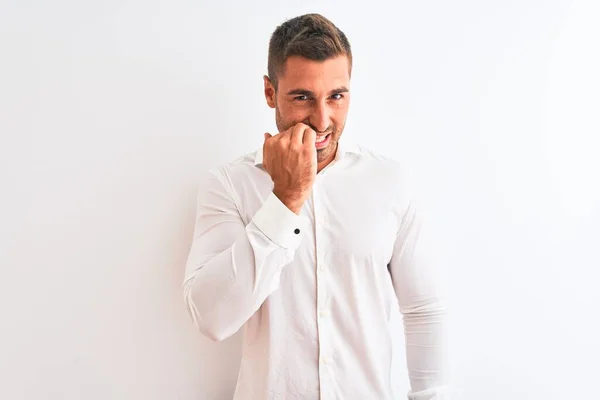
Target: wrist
291,200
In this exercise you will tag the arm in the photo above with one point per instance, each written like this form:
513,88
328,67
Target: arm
418,286
232,268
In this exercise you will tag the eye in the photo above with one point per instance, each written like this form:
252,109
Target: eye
337,96
301,98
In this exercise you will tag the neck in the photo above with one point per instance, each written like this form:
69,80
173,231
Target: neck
327,161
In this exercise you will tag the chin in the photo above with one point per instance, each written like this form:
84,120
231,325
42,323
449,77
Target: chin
322,154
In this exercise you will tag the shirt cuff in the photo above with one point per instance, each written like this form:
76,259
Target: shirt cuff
439,393
279,223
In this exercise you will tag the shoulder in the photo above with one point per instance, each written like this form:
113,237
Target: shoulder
384,163
386,174
236,177
242,166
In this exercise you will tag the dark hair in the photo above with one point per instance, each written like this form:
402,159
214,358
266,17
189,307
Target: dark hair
311,36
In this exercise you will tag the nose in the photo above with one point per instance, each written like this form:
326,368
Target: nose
320,117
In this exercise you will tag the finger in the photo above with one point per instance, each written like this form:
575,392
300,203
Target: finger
298,133
310,137
265,155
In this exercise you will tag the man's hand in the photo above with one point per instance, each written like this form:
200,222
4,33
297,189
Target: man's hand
290,158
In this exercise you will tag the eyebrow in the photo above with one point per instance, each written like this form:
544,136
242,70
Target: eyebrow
304,92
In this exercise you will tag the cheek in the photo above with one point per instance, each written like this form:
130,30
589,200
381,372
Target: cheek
339,118
294,114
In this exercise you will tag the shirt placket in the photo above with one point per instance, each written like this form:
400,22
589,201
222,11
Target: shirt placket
326,362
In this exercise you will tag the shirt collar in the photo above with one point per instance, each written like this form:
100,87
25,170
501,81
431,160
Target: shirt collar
345,146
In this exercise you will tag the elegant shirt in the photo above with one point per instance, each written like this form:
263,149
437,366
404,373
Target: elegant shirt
314,293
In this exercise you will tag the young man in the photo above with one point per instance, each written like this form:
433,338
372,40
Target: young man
311,243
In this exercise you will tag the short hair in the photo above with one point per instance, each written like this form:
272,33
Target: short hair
311,36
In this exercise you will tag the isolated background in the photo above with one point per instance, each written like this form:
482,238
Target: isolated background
111,110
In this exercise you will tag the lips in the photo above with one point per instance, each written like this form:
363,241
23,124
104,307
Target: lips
322,141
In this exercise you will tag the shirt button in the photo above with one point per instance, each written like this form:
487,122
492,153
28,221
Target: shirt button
296,231
324,313
326,360
321,267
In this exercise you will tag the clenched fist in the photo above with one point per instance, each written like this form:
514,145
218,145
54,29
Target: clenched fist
290,158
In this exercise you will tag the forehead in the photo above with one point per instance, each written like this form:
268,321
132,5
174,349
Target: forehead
300,72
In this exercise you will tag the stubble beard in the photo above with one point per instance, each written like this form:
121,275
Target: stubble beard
322,154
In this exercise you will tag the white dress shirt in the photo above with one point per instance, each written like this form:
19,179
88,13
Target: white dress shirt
314,292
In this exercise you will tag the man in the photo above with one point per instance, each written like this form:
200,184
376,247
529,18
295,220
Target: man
311,243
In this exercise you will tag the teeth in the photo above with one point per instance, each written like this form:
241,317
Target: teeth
322,138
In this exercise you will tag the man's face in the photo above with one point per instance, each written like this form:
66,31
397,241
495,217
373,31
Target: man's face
315,93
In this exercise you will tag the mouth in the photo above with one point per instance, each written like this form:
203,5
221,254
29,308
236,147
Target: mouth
322,141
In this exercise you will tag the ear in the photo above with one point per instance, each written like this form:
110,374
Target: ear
270,92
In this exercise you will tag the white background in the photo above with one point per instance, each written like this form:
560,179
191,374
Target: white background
111,110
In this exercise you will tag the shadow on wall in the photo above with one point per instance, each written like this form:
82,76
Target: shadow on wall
212,140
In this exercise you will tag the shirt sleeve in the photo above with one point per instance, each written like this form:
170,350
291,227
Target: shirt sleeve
421,293
232,267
